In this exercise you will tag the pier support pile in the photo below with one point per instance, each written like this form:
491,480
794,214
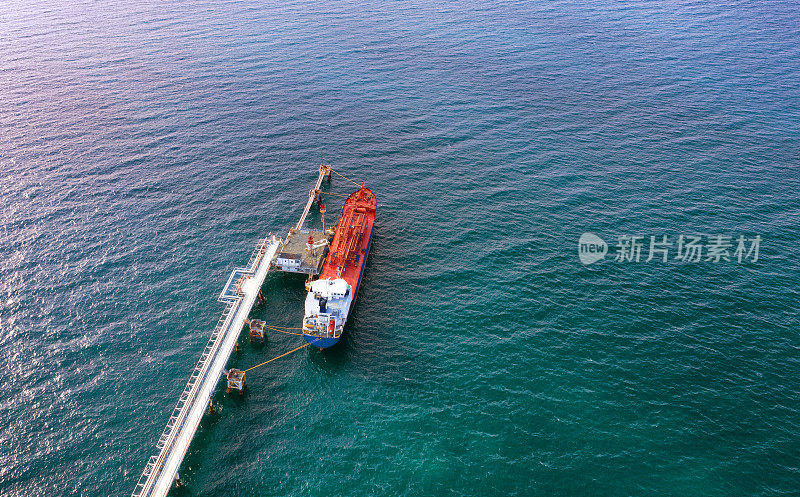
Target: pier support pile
237,381
258,331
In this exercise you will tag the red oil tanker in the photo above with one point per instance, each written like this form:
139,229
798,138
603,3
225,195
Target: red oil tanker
332,296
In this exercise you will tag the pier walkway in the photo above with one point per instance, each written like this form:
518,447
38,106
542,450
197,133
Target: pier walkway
239,294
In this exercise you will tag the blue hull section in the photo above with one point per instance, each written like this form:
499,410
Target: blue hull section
322,343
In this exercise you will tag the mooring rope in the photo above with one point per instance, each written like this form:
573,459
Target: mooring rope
274,358
281,327
282,331
345,177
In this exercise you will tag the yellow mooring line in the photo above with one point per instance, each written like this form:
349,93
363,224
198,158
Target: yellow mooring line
345,177
271,328
335,194
284,354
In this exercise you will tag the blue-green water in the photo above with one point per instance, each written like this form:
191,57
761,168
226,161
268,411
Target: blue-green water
146,146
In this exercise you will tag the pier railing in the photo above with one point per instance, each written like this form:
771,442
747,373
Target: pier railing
239,295
161,469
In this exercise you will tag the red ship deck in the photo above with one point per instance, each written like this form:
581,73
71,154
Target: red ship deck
350,245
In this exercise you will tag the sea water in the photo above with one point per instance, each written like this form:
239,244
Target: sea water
145,147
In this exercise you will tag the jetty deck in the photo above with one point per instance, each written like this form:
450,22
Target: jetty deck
162,469
240,293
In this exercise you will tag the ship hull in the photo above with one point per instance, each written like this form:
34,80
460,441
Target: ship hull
322,343
348,264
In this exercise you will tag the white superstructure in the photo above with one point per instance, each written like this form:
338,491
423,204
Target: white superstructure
327,305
